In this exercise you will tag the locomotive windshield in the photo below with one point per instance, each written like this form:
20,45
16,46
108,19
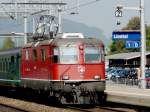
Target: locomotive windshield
66,55
92,55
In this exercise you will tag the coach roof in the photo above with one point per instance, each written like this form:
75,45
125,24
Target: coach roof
10,52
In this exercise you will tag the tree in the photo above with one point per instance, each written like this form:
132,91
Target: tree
133,24
113,47
8,44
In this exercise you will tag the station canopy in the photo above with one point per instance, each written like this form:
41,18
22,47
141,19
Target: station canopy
131,59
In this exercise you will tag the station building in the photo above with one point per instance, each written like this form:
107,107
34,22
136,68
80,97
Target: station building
131,60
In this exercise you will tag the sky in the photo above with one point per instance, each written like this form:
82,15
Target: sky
102,14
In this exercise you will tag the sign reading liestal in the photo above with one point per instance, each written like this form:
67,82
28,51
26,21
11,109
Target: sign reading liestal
126,35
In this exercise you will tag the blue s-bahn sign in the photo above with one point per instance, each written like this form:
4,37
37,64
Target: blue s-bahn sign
126,35
133,44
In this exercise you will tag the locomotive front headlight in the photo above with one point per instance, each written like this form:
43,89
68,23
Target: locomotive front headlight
97,77
65,77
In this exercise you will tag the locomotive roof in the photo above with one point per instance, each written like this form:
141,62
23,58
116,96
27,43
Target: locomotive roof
13,51
74,41
66,41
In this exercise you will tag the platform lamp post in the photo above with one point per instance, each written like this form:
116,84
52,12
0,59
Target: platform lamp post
143,45
141,8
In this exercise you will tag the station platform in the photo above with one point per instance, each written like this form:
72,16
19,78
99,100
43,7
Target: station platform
121,93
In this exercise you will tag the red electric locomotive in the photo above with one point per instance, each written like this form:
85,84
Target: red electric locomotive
69,67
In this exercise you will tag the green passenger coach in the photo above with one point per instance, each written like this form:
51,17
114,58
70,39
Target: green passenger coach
10,61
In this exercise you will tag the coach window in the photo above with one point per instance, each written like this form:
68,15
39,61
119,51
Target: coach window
34,55
12,59
6,65
43,53
26,55
0,65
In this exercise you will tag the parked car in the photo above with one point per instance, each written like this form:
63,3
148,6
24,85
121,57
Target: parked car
110,72
132,74
147,78
120,74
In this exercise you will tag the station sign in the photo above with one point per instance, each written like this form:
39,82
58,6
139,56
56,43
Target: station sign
133,44
126,35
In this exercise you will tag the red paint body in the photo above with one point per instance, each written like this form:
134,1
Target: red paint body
36,69
48,70
73,71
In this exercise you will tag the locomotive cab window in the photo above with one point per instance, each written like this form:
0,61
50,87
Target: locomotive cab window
92,55
68,55
65,55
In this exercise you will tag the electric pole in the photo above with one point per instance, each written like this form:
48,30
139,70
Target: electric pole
25,25
143,45
59,17
141,8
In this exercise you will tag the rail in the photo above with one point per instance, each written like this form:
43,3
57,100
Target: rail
24,106
4,107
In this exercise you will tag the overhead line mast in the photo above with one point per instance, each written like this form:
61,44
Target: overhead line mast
15,8
141,9
19,8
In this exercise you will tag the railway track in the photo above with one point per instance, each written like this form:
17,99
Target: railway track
7,108
102,109
16,105
29,104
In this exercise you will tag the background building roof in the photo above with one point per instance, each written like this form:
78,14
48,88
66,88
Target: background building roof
125,56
